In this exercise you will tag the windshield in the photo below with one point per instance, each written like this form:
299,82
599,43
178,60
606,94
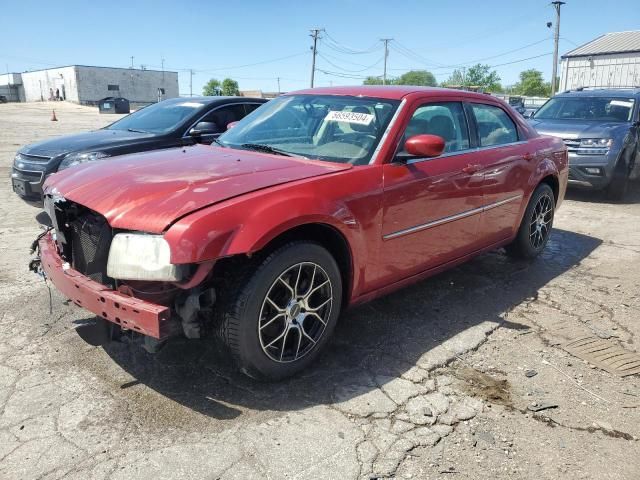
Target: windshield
339,129
601,109
158,118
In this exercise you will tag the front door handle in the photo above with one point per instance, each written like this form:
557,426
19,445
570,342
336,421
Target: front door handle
528,156
471,168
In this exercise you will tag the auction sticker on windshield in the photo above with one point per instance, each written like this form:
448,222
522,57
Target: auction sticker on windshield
351,117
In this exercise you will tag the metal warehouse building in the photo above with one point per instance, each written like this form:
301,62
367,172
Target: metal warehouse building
611,60
87,85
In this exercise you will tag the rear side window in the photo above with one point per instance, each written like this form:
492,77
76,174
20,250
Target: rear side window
495,127
447,120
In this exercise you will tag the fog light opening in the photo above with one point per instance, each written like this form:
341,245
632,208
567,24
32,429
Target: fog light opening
593,170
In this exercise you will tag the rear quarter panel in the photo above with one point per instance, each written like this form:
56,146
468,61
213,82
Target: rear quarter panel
552,159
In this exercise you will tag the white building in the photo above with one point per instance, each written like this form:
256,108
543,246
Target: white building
611,60
87,85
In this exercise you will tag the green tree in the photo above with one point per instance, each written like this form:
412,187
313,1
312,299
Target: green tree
482,76
532,83
455,80
230,87
372,81
211,88
413,77
417,77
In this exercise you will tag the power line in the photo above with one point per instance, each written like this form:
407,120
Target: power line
412,55
323,56
339,59
493,31
342,75
273,60
502,54
520,60
490,66
335,45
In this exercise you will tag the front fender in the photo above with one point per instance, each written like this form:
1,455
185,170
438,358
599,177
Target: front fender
246,225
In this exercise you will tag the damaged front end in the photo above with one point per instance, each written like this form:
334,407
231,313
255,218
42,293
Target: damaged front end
123,277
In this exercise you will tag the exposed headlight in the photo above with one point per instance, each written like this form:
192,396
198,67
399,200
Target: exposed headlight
596,142
138,256
78,158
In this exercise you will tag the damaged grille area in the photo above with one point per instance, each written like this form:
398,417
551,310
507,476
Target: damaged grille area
90,241
83,237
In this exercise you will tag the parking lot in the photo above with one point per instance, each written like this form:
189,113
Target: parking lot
461,376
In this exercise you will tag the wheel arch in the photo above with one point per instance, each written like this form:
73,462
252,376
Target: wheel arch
325,235
554,183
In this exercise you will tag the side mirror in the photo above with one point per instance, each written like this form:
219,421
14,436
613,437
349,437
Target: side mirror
424,145
204,128
230,125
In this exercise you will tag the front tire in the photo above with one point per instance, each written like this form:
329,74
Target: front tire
279,315
617,188
536,224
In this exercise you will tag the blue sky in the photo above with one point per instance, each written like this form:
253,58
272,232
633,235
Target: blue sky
214,38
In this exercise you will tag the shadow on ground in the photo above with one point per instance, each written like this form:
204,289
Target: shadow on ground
598,196
385,337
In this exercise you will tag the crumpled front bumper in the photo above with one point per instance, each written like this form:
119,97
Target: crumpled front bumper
130,313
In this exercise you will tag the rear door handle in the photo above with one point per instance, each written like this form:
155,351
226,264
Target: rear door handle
528,156
471,168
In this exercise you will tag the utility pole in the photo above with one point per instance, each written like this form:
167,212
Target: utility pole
556,37
191,82
131,61
9,83
315,32
278,85
386,54
464,77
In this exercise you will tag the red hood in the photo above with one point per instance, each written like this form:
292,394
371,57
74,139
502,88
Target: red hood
148,191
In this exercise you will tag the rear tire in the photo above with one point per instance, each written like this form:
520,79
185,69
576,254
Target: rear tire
536,224
617,188
277,317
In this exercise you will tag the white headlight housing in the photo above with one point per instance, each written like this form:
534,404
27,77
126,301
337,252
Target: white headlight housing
77,158
138,256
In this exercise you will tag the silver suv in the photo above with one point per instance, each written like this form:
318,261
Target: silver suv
601,128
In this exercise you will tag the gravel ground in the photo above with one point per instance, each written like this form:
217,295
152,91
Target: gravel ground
435,381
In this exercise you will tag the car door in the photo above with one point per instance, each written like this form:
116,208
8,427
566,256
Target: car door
431,206
507,163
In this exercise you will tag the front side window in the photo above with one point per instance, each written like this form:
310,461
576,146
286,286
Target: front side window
600,109
446,120
160,117
334,128
495,127
223,116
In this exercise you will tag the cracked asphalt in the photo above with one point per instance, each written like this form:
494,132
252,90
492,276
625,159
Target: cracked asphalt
438,380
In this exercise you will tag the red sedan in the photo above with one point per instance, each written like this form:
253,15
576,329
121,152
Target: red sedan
317,200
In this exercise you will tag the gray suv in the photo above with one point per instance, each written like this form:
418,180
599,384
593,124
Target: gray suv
601,128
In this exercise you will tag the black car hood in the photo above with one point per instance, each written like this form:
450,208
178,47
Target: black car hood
579,128
84,142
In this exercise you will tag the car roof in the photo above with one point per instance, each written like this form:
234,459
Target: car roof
391,92
211,100
602,92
